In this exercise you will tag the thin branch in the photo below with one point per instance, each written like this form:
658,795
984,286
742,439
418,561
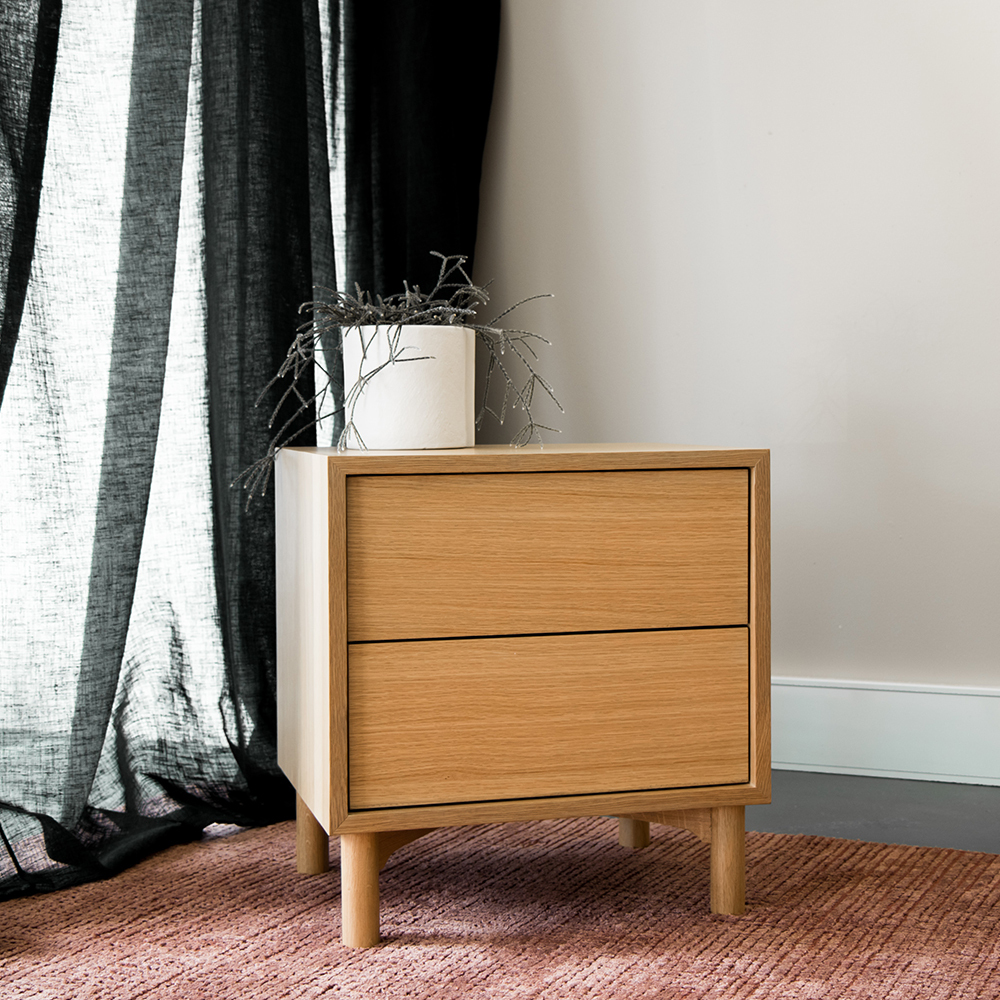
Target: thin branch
334,315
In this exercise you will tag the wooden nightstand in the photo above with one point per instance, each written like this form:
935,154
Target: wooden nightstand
492,634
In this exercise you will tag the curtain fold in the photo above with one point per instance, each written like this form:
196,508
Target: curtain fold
418,89
172,179
258,270
158,91
29,37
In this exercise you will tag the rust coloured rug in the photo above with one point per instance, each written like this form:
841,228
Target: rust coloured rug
553,909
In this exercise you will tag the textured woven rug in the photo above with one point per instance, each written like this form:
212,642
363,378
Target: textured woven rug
554,909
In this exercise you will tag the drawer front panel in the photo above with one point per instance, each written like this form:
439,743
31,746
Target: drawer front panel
529,716
467,555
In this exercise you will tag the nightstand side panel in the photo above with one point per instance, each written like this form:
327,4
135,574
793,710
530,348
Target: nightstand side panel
302,622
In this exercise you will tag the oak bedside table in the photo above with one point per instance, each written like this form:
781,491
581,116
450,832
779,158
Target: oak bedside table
489,634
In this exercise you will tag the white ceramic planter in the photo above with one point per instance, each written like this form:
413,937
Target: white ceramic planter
428,403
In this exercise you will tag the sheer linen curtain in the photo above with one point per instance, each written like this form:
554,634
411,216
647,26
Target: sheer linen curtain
174,179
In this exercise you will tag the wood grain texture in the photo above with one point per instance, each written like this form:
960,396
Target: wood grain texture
469,555
337,704
532,716
553,458
728,860
760,626
359,898
312,845
560,807
390,841
698,821
302,627
532,458
633,833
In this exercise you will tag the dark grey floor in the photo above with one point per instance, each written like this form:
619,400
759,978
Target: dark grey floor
886,810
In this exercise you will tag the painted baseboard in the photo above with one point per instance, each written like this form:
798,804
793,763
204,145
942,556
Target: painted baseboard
922,731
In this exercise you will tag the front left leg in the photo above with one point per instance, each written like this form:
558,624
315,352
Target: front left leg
359,868
362,857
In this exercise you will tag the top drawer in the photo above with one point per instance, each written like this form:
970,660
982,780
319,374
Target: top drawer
431,556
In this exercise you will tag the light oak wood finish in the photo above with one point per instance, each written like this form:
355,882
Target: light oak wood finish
582,551
560,807
633,833
697,511
390,841
486,719
533,458
337,540
722,828
359,867
362,857
312,845
728,865
698,821
760,628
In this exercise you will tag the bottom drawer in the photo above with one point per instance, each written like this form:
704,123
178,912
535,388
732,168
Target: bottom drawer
467,720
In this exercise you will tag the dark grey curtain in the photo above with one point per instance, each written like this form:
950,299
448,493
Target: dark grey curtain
28,38
172,186
418,86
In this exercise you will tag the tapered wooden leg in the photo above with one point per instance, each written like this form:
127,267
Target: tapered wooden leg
312,845
359,867
728,859
633,832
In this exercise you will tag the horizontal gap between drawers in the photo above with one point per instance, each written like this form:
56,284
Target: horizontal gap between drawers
550,798
529,635
548,470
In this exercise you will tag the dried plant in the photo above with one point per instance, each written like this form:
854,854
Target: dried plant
453,301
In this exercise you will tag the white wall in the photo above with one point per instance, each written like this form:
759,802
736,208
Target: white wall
775,223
